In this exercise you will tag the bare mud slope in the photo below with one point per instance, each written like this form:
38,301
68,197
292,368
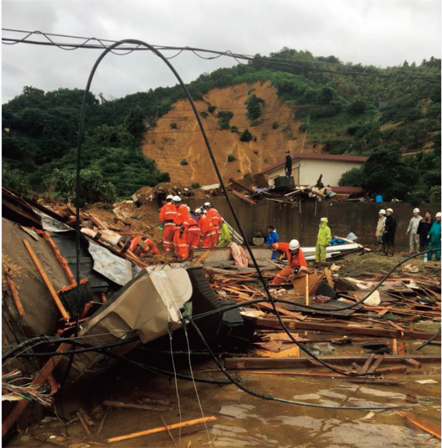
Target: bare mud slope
176,139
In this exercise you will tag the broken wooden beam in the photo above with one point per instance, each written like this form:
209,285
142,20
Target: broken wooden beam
241,185
290,363
270,323
424,426
15,295
244,198
47,282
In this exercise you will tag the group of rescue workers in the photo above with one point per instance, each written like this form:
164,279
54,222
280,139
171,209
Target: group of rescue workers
183,231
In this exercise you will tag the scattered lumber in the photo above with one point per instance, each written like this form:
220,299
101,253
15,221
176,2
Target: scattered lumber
146,407
291,363
244,198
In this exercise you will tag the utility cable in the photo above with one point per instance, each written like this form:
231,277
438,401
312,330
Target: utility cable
429,340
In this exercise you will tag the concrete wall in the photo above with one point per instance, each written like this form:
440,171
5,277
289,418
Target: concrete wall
307,172
302,223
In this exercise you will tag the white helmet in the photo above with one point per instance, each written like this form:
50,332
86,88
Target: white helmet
294,245
176,199
197,211
188,208
207,204
438,215
416,210
169,198
382,212
390,210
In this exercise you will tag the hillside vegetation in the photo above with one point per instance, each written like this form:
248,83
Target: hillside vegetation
318,104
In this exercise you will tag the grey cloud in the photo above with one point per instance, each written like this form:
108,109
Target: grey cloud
376,32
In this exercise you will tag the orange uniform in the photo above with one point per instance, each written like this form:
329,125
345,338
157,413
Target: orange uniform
207,231
213,215
293,261
179,239
168,214
150,245
193,233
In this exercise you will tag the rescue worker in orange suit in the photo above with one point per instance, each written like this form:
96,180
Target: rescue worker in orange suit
207,231
168,214
295,261
181,223
143,246
212,213
193,232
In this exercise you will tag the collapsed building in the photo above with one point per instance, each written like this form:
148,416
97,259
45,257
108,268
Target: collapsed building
71,331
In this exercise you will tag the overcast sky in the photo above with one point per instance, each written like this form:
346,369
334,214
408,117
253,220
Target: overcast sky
377,32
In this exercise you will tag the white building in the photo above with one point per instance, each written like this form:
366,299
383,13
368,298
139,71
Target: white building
306,168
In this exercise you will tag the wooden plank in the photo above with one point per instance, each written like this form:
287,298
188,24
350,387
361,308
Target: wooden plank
287,363
344,329
413,363
241,185
161,429
63,262
244,198
367,363
424,426
15,295
46,280
376,364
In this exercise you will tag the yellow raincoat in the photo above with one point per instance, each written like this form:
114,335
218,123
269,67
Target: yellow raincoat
324,237
224,239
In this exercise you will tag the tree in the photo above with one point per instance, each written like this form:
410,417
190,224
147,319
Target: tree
352,178
246,136
134,122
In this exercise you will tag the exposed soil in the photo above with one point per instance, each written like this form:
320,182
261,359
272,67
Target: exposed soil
168,147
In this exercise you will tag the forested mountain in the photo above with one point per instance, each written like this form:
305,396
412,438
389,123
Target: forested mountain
392,114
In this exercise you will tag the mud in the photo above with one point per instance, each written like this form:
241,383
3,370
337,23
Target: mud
168,147
245,421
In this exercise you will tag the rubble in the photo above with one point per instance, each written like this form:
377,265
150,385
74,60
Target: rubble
129,303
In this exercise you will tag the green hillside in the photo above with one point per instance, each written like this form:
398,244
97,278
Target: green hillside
392,115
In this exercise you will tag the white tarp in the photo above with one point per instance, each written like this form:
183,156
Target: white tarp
112,267
51,224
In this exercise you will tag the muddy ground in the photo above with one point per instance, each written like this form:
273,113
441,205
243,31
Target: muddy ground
246,421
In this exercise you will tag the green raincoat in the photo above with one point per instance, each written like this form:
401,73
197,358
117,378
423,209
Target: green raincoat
224,240
324,237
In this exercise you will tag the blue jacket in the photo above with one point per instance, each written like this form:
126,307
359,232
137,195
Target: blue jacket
272,238
434,233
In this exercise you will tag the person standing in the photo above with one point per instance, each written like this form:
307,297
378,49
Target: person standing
323,240
380,228
434,238
168,214
192,233
295,261
413,237
389,233
207,231
225,239
288,164
423,229
215,217
272,238
181,223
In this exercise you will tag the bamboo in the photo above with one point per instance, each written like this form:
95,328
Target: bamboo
48,283
168,431
161,429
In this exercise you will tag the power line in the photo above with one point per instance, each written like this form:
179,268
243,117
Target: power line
100,44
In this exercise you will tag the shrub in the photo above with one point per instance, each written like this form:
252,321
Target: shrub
275,125
254,104
211,109
303,127
224,118
184,162
246,136
173,125
435,194
15,179
231,158
234,129
93,187
358,107
204,114
195,185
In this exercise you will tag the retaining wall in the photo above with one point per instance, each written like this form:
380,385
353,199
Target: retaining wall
302,222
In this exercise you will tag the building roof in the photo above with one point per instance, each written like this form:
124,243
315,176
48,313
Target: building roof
329,157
